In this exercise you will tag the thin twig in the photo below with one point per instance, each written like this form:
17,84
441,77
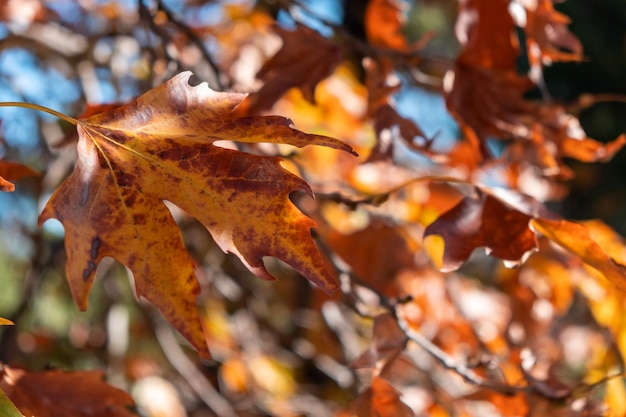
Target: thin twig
449,363
37,107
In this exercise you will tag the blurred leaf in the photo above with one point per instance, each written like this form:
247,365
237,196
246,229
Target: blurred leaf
12,171
576,238
381,399
384,20
67,394
305,59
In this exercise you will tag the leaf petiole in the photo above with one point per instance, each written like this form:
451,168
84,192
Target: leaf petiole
37,107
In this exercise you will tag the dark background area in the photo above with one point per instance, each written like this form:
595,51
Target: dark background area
597,190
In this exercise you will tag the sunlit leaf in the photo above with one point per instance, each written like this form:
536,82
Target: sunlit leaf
576,238
483,221
158,148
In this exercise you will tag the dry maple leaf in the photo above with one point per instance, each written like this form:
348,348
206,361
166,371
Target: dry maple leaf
159,148
305,59
67,394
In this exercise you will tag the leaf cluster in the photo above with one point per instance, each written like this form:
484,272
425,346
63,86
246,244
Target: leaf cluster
445,280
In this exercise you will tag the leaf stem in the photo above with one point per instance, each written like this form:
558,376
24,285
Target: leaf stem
37,107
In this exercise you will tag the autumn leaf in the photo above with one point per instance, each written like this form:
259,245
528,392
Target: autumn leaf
380,400
12,171
384,20
547,36
375,254
483,221
305,59
159,148
577,239
59,393
507,224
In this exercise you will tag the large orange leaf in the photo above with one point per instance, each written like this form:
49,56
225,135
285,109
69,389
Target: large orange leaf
159,148
68,394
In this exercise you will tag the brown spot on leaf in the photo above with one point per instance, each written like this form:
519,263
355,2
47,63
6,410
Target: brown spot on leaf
95,247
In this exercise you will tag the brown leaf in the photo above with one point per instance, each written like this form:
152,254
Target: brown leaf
485,29
375,254
305,59
486,94
12,171
158,148
67,394
483,221
547,36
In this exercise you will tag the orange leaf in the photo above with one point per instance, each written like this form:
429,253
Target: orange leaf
5,322
548,36
157,148
305,59
380,400
58,393
485,29
589,150
11,171
383,24
577,239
